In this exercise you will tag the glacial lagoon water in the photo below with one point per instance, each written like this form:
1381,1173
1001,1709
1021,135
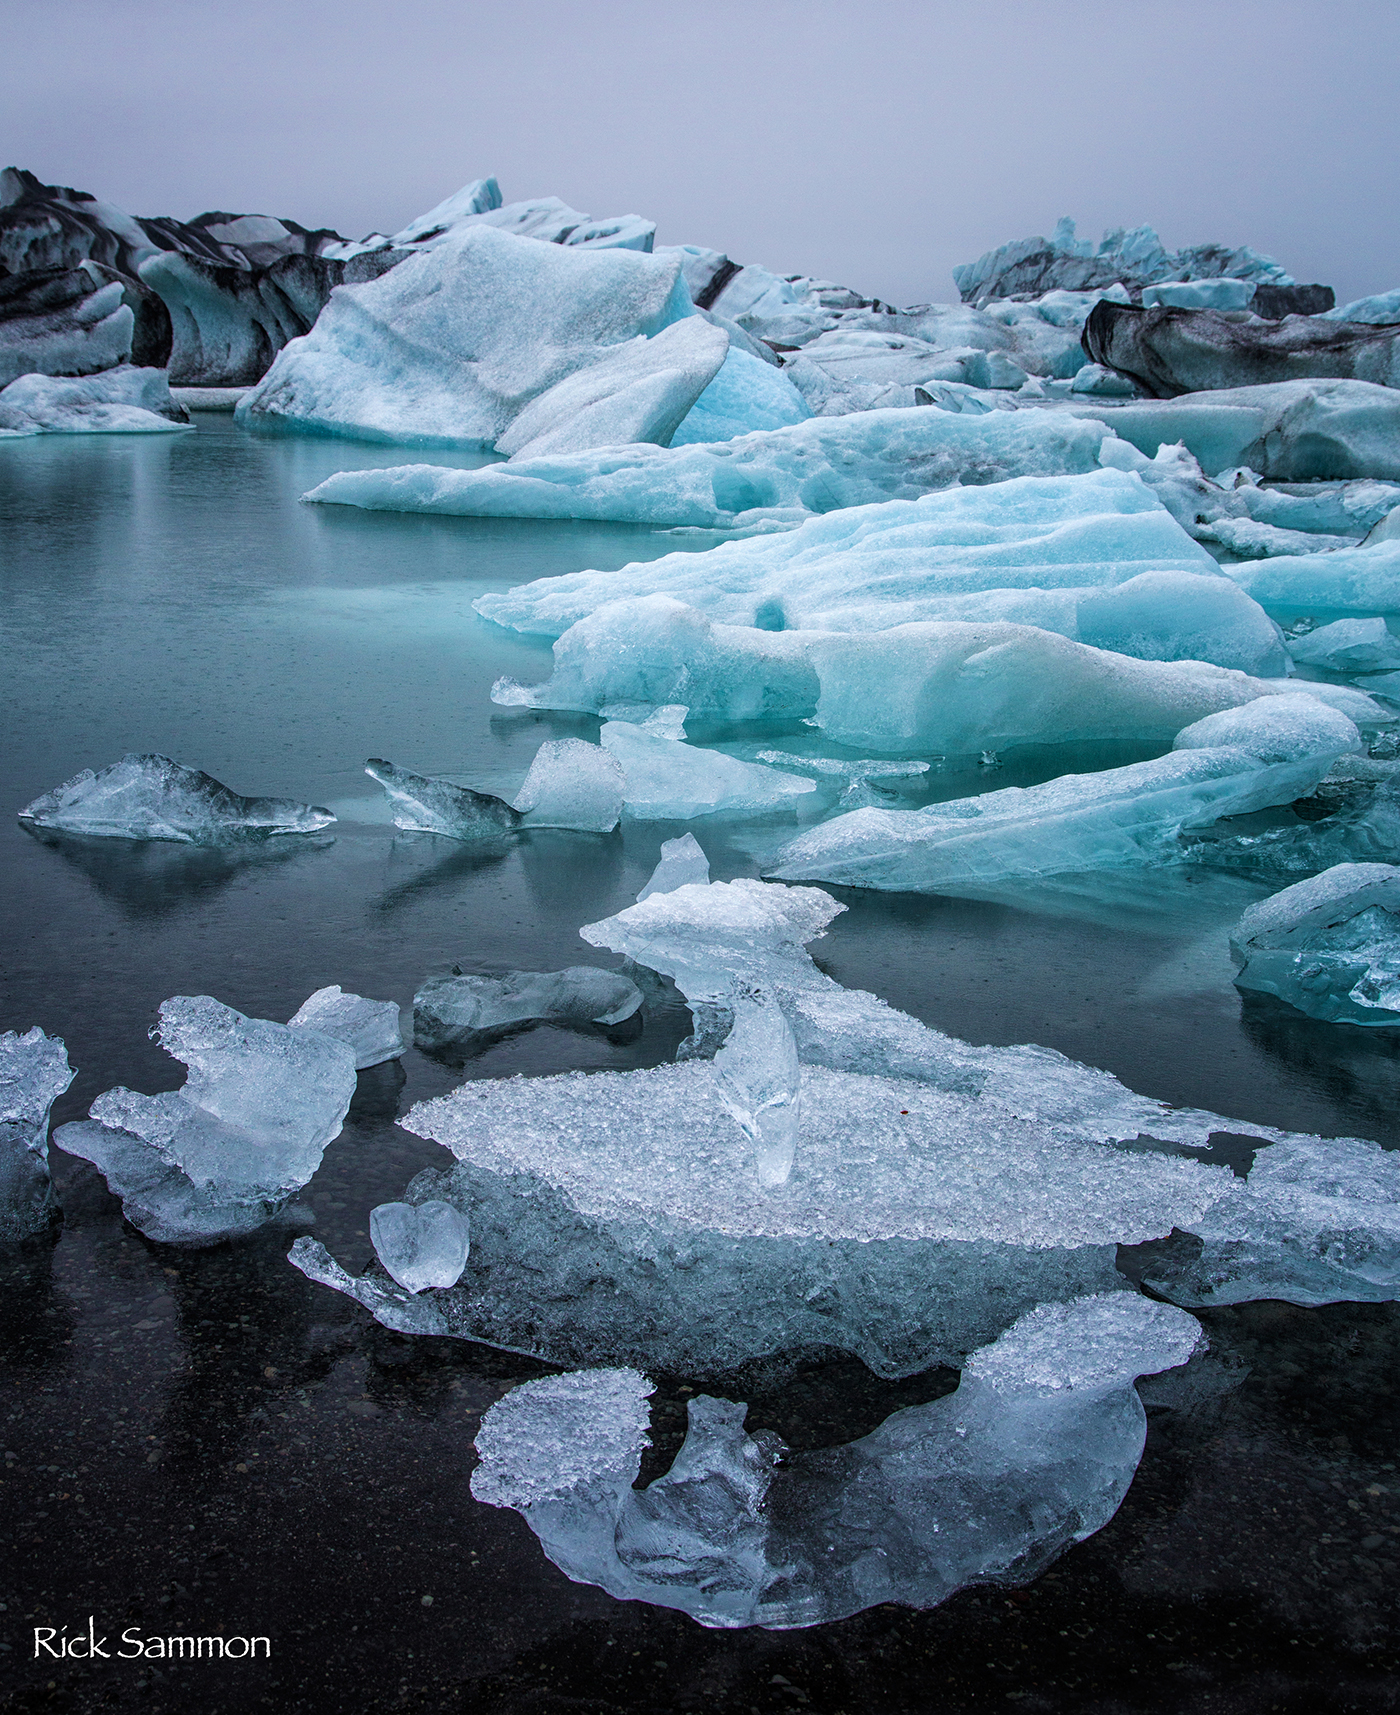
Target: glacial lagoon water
208,1436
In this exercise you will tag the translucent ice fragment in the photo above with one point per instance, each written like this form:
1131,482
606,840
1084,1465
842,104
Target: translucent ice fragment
369,1027
421,1245
667,779
759,1082
34,1072
465,1012
682,862
1348,646
153,798
571,784
431,806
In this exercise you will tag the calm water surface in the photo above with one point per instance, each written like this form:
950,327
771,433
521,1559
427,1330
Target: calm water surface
205,1442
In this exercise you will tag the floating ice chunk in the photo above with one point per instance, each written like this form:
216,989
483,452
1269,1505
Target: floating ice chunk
1352,816
1033,1452
451,345
34,1072
1270,751
1200,294
640,391
770,479
669,780
221,1156
430,806
153,798
746,395
1316,1222
1254,541
370,1028
682,862
1348,646
1093,378
1329,946
464,1013
421,1245
122,401
572,784
759,1081
1361,580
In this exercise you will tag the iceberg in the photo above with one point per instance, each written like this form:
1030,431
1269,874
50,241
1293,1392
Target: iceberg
1381,307
121,401
546,219
34,1072
63,322
1220,294
1033,1452
460,1015
425,805
153,798
1348,646
775,478
369,1028
450,346
221,1156
1329,946
423,1245
669,780
1270,751
682,862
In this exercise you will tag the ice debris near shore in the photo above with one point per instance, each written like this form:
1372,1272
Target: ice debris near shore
1033,1452
422,1246
1269,751
221,1156
369,1028
34,1072
1330,946
153,798
457,1015
122,401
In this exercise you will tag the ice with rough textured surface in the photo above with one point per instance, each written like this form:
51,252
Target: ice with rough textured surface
1362,580
1033,1452
1348,646
670,780
464,1012
220,1156
370,1028
1270,751
451,345
572,784
424,805
71,323
682,862
421,1245
1380,307
34,1072
120,401
1329,946
153,798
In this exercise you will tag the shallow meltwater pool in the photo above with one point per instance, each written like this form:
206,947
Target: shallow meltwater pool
205,1443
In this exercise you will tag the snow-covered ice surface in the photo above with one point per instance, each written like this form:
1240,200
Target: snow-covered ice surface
221,1156
122,401
1033,1452
34,1072
457,1015
369,1028
153,798
1329,946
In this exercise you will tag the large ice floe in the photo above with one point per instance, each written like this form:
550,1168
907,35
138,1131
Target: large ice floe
988,1485
222,1155
34,1072
122,401
819,1170
1329,946
153,798
1272,750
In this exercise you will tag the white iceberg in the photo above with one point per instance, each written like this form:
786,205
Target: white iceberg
34,1072
153,798
122,401
369,1028
221,1156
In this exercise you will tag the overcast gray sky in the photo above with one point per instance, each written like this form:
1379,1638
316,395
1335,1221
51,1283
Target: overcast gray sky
876,144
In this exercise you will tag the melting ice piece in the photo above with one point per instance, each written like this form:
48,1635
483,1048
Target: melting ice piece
1329,946
682,862
430,806
847,770
1348,646
1033,1452
153,798
669,780
221,1156
421,1245
1358,580
572,784
370,1028
759,1081
1316,1222
1252,540
1352,816
122,401
466,1012
1270,751
34,1072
